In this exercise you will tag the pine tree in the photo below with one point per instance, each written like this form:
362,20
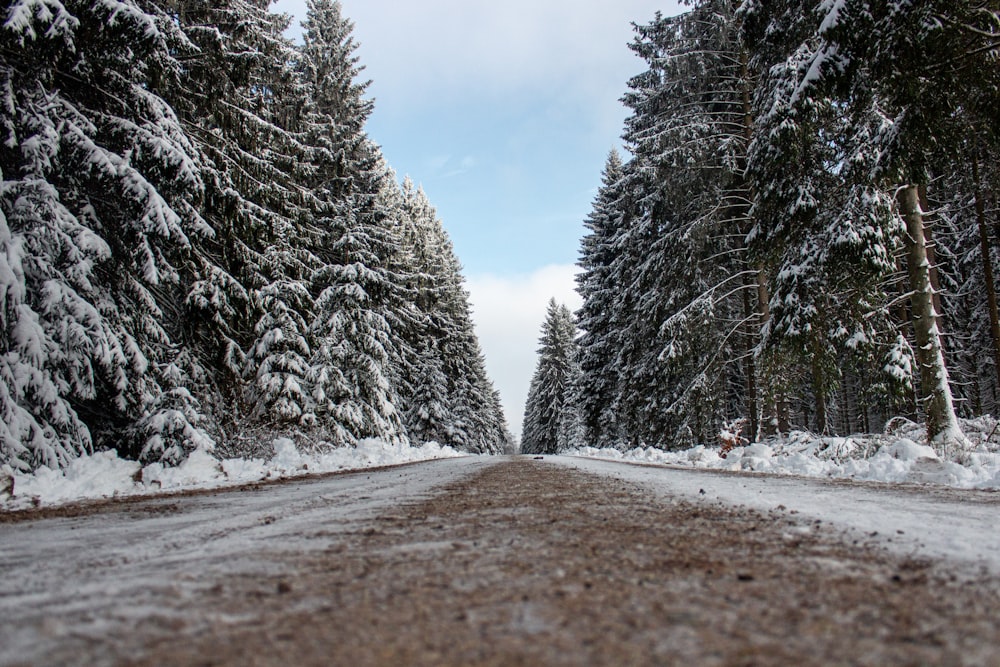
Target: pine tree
693,306
550,417
758,232
965,256
280,356
920,61
351,364
427,405
330,65
100,182
194,229
246,108
477,421
363,299
827,239
442,334
595,391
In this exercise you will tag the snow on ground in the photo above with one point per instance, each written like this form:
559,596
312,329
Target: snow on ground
891,457
97,577
959,526
104,475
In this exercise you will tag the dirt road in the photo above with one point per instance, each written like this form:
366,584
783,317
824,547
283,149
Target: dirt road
484,562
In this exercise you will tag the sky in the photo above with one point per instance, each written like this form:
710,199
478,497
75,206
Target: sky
504,112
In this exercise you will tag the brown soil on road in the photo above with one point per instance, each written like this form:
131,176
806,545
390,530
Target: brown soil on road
528,563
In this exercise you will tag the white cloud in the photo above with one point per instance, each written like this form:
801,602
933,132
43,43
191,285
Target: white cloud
508,312
451,168
438,50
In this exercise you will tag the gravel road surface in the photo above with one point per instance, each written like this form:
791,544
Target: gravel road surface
477,561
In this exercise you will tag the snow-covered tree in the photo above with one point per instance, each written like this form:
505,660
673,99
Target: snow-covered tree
439,339
351,362
357,294
550,416
245,108
598,381
966,256
918,62
195,242
826,239
692,306
428,410
280,356
330,66
99,201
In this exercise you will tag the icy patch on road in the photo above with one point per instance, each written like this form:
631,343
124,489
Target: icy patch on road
104,475
895,457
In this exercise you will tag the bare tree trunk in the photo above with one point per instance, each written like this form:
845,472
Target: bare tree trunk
848,401
905,320
763,418
750,365
819,393
935,394
768,424
984,244
932,260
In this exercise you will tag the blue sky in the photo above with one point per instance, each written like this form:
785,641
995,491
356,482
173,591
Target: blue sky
504,112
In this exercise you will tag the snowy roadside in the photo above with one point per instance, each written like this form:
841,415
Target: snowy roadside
957,526
892,457
94,588
104,475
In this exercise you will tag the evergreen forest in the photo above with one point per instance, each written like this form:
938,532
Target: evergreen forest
802,235
200,246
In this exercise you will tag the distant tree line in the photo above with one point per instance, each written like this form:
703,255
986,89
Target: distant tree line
806,230
200,245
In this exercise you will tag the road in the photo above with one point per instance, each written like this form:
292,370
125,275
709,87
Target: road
500,561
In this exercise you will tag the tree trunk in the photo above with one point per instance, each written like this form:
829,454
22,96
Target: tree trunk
760,401
904,319
784,414
819,393
768,423
935,276
848,401
935,394
994,205
984,244
750,366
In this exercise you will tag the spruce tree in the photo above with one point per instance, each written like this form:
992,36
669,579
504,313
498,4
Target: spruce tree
245,107
827,239
693,307
595,391
918,62
442,334
351,364
362,300
550,416
98,207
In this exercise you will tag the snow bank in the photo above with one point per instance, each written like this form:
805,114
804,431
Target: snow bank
104,475
891,457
